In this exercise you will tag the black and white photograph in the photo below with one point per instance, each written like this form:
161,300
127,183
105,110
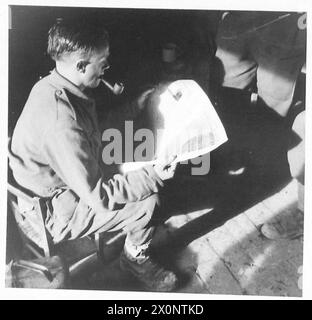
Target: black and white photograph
155,149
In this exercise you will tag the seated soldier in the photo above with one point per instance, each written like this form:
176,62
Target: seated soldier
55,152
266,52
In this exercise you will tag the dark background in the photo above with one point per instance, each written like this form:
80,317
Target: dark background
135,35
258,139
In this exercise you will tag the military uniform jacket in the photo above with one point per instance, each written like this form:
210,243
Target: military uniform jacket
56,145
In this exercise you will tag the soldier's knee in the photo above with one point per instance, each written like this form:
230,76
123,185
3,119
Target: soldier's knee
152,200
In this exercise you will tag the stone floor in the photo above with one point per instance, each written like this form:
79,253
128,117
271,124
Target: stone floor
211,236
232,258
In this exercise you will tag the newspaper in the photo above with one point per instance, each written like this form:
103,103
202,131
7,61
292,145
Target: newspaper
185,123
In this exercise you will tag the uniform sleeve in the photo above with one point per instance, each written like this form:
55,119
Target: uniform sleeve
68,152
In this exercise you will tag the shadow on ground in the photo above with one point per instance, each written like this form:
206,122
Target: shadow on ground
250,167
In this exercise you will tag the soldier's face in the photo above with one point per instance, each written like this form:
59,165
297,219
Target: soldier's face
97,64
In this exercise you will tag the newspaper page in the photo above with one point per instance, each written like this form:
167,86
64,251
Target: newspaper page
184,123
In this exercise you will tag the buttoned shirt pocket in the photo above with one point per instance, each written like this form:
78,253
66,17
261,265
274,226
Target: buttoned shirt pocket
95,142
88,123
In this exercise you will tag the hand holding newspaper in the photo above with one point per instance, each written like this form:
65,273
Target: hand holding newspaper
185,123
